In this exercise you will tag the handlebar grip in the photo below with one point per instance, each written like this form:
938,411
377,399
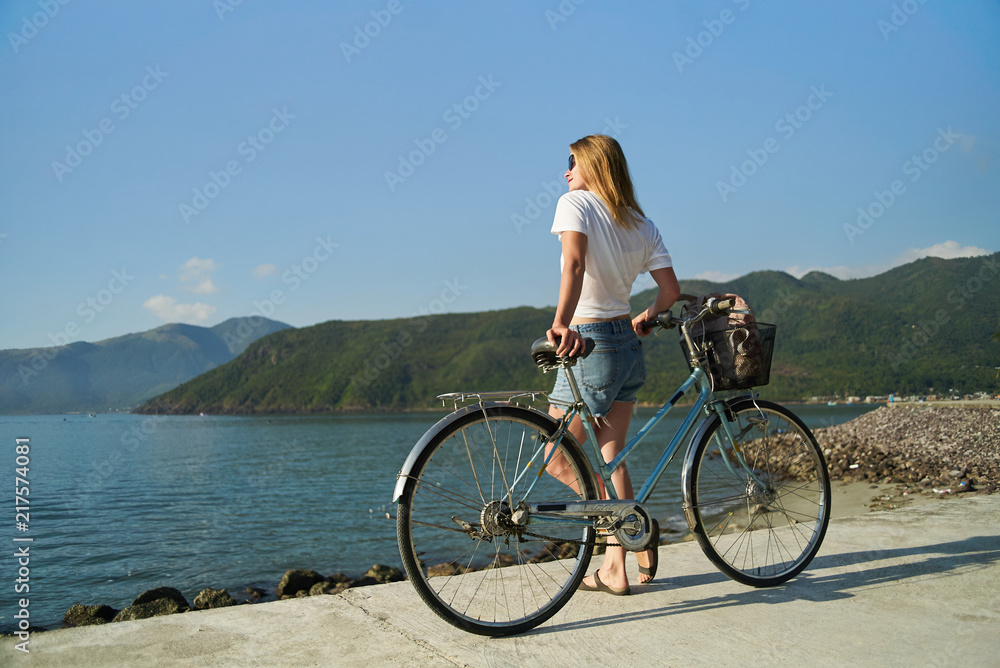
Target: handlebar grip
719,306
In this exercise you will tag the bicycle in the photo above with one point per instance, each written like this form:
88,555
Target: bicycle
495,544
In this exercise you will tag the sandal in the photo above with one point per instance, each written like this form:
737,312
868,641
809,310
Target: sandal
600,586
655,547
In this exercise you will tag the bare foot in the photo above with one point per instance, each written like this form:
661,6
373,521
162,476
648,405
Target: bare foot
645,559
615,580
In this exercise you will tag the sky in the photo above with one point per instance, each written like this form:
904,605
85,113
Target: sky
197,160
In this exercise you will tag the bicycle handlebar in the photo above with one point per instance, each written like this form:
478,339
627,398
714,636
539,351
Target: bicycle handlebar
713,306
719,306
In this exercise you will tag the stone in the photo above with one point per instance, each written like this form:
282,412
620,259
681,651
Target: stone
213,598
450,568
384,574
321,588
365,581
296,580
88,615
161,592
157,608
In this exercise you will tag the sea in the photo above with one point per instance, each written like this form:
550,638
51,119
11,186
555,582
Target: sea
117,503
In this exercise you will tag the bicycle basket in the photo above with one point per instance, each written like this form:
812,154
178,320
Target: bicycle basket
738,357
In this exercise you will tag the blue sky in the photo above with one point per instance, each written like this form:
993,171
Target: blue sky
192,161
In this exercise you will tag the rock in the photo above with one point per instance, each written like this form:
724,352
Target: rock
157,608
213,598
327,587
450,568
88,615
296,580
383,574
339,578
363,582
161,592
254,594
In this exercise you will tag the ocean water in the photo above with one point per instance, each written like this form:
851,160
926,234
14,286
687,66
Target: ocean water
123,503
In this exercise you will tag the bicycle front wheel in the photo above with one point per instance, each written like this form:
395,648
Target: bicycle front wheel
759,504
468,559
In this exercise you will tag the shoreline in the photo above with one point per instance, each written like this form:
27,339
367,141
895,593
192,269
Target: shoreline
886,459
905,588
848,499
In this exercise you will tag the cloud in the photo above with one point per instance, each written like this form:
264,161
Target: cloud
947,250
715,276
195,276
167,309
262,270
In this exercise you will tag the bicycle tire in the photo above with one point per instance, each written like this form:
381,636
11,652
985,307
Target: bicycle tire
503,585
759,532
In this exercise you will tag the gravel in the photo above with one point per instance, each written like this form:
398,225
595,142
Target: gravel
937,449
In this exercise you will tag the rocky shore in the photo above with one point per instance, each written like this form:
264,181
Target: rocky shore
295,583
934,450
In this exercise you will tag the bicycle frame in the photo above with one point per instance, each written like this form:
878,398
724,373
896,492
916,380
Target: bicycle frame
588,509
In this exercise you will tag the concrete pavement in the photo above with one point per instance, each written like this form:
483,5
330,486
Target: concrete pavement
915,586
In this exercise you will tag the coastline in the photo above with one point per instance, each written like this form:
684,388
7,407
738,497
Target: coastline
900,588
879,461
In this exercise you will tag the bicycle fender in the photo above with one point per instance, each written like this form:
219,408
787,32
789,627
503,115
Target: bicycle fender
404,478
699,433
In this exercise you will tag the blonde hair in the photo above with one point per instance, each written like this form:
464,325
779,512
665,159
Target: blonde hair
605,171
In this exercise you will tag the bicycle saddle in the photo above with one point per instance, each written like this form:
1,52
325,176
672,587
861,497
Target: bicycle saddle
544,353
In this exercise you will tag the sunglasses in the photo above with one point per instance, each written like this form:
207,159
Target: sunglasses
572,162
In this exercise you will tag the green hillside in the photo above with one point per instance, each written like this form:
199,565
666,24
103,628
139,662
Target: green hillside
924,325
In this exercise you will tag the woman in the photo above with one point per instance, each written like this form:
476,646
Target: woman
606,243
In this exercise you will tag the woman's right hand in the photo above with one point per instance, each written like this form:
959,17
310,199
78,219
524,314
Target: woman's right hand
567,341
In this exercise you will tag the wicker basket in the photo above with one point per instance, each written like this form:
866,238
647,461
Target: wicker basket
739,357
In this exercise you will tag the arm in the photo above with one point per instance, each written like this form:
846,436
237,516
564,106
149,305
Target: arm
574,250
665,298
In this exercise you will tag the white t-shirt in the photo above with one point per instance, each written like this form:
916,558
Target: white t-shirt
615,255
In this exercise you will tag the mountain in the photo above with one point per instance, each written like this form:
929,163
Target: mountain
924,325
121,372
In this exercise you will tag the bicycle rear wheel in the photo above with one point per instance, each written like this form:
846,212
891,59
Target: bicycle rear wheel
467,559
763,528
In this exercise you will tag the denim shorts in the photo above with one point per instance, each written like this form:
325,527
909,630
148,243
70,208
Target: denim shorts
614,371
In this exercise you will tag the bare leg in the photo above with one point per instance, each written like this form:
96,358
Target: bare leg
612,435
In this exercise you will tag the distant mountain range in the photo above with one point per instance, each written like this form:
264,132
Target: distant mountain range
122,372
928,324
